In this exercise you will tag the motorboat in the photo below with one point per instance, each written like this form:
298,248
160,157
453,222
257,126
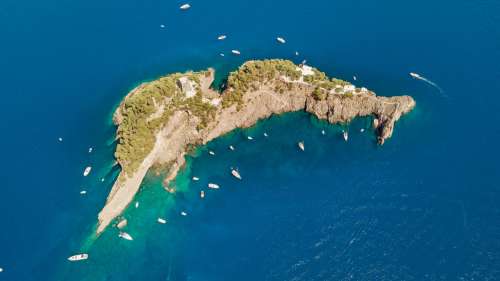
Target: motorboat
125,236
236,174
185,7
221,37
301,145
196,178
78,257
87,170
280,40
236,52
213,186
162,221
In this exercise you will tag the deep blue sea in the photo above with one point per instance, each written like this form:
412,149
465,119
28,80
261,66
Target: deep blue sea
425,206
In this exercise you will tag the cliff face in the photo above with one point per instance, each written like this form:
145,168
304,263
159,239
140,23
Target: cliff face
275,92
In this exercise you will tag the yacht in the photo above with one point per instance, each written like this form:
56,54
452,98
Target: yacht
415,75
345,135
196,178
87,170
125,236
236,52
281,40
301,145
78,257
162,221
221,37
213,186
185,6
236,174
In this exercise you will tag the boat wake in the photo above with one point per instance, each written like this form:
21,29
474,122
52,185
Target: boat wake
433,84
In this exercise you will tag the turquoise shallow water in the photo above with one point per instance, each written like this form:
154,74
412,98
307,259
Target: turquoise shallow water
422,207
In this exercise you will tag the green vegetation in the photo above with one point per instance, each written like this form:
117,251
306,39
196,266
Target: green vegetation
251,74
146,110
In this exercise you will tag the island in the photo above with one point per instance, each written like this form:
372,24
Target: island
158,122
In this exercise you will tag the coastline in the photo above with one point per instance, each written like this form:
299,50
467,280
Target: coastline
182,128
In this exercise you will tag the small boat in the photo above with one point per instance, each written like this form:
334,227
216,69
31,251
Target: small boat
211,152
83,192
60,139
296,53
78,257
265,135
87,170
301,145
196,178
221,54
102,179
162,221
213,186
362,130
183,213
236,174
323,132
415,75
90,149
280,40
170,189
231,147
1,269
250,138
345,135
162,25
202,194
125,236
136,205
221,37
236,52
185,7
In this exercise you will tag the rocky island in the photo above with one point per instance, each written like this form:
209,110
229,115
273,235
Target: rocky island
159,121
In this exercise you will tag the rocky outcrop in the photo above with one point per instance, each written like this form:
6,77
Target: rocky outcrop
182,130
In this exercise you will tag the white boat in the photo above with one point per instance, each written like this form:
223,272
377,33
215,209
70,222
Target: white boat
1,269
60,139
354,77
90,149
162,221
78,257
221,37
136,204
87,170
250,138
296,53
345,135
202,194
185,6
362,130
236,52
125,236
211,152
415,75
323,132
265,135
231,147
221,54
183,213
236,174
102,179
281,40
83,192
162,25
213,186
196,178
301,145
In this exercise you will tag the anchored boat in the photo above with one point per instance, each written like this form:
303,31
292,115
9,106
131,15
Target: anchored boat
236,174
301,145
213,186
125,236
78,257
